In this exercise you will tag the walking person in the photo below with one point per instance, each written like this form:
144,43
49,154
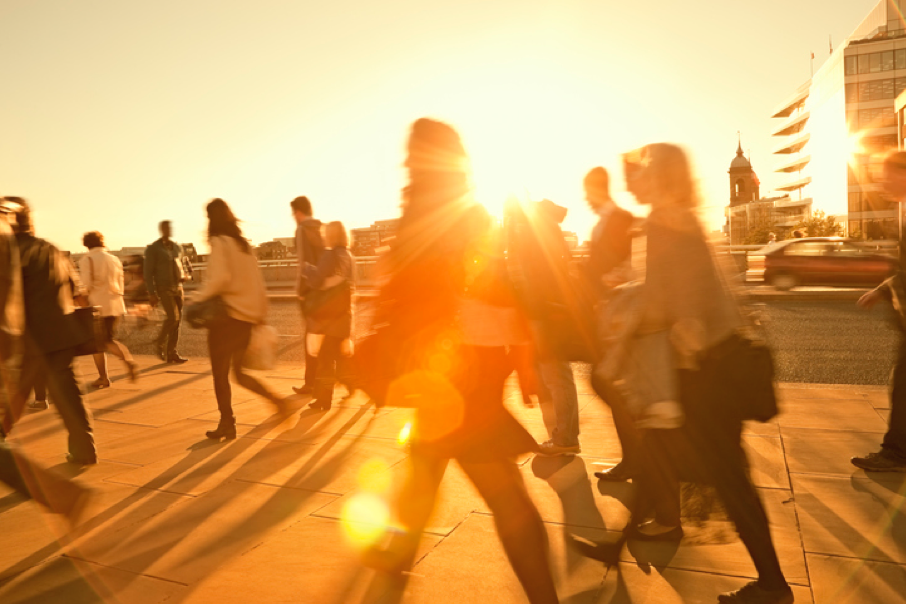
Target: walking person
329,326
309,247
166,269
607,266
56,493
892,455
102,277
51,334
233,276
539,264
685,297
442,300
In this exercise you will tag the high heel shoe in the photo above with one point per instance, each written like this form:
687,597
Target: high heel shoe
224,432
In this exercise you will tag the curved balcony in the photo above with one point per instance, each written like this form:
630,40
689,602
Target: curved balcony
793,145
787,107
796,124
795,185
795,165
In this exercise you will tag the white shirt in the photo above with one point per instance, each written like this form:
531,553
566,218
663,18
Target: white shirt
102,277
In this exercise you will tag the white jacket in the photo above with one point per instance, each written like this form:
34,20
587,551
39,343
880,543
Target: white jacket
102,277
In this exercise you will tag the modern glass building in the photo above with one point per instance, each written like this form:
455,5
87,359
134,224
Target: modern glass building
838,126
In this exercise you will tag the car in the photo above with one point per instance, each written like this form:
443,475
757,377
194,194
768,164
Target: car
818,261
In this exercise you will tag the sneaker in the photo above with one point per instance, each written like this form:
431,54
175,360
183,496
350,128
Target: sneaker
753,593
550,449
879,462
37,405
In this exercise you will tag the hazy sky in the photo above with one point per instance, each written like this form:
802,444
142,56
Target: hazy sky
118,114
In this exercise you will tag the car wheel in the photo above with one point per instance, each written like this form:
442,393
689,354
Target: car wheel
784,281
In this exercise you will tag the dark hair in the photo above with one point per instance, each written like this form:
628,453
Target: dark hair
221,221
598,181
23,222
301,204
93,239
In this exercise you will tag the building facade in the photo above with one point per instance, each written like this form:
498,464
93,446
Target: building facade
837,127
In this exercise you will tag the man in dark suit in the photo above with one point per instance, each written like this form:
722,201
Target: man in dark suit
309,246
607,266
166,268
51,333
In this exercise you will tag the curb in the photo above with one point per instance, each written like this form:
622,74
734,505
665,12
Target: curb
830,295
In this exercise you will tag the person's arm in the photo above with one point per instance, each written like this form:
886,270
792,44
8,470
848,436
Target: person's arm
84,272
118,277
218,275
324,275
300,260
150,266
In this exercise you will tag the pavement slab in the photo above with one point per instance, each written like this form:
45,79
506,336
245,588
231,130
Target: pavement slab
73,581
470,565
848,581
826,452
856,517
187,541
818,413
640,584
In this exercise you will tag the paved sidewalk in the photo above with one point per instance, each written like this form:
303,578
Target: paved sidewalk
178,518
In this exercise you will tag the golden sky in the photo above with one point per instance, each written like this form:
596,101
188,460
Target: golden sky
116,115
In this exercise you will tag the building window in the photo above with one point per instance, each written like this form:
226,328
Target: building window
863,63
900,58
854,205
852,121
851,66
864,92
874,62
852,93
887,88
887,60
899,86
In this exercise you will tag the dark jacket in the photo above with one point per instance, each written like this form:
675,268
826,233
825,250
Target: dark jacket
166,266
334,277
309,247
611,246
48,278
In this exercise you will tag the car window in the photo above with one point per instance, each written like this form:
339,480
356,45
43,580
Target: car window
806,248
842,248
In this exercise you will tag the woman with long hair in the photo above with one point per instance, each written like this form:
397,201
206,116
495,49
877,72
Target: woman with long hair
686,297
444,301
234,276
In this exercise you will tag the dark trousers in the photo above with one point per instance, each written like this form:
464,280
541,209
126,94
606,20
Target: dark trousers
894,443
709,449
622,420
311,363
227,342
332,365
172,302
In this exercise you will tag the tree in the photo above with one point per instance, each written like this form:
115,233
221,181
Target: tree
821,225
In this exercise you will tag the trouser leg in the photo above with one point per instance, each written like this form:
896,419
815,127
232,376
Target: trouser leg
172,303
242,337
328,358
558,378
64,390
627,433
715,430
220,349
658,480
311,362
894,443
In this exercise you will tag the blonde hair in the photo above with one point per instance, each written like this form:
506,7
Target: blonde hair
336,234
668,168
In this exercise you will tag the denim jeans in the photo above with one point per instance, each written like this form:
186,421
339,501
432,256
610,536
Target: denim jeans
559,393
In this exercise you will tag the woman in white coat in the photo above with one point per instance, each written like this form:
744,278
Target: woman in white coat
102,277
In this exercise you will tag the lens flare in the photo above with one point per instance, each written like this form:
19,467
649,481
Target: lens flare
403,438
365,518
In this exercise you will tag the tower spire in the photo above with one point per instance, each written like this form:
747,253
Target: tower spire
739,148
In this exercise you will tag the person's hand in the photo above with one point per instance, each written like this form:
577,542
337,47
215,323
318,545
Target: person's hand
869,300
153,300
